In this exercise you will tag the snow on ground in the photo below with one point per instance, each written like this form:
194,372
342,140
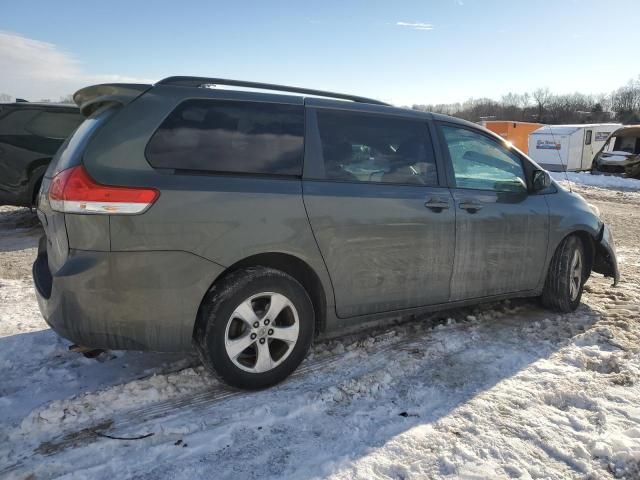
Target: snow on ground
586,179
507,390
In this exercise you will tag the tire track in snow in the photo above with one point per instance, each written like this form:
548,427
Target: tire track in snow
130,423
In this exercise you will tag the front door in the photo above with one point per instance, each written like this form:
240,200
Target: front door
382,221
501,229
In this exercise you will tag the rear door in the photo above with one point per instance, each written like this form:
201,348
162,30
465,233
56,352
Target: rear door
587,151
501,229
383,220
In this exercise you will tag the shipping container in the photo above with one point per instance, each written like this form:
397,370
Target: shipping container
515,132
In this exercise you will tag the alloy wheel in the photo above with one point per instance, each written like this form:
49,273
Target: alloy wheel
575,274
262,332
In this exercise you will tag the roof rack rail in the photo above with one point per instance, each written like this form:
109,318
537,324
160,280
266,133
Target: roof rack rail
185,81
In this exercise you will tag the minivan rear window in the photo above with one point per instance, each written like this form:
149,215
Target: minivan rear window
230,137
70,152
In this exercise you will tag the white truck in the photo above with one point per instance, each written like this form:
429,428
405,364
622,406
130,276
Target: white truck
568,147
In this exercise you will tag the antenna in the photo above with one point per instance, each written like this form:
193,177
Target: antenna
564,167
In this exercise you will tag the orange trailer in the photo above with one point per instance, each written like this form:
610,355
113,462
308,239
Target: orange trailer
515,132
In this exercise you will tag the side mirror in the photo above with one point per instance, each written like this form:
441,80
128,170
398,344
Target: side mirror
541,180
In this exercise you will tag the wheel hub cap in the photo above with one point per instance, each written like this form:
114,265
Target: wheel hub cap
575,275
261,332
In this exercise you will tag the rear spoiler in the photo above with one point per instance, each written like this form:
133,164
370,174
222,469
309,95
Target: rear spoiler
89,99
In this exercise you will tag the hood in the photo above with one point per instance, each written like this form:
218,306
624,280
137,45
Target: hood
617,153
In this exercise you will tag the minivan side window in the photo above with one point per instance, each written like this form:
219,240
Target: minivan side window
230,136
359,147
481,163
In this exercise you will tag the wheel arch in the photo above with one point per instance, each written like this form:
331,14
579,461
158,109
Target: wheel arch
36,175
588,243
289,264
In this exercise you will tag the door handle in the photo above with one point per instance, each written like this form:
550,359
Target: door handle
471,207
436,204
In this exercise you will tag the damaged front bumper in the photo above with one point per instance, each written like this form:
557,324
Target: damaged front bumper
628,164
605,261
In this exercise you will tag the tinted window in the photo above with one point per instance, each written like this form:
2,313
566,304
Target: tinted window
482,163
54,124
71,151
371,148
12,122
230,136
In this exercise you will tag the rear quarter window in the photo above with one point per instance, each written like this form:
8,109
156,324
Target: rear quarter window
72,149
230,137
53,124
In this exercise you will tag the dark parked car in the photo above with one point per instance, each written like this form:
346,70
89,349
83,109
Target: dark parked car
30,135
246,223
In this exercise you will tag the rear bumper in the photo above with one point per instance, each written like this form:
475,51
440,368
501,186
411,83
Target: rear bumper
630,166
124,300
610,168
606,261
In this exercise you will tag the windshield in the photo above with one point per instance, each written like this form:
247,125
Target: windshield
627,144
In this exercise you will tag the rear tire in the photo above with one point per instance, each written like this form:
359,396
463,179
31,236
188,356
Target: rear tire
256,327
566,276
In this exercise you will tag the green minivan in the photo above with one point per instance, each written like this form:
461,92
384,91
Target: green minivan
245,221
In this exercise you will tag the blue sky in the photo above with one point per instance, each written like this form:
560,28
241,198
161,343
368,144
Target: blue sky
401,51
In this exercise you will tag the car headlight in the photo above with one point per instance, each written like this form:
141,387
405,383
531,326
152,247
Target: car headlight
594,209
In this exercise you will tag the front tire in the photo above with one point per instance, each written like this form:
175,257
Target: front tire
257,326
566,276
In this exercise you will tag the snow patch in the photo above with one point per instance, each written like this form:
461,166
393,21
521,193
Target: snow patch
600,181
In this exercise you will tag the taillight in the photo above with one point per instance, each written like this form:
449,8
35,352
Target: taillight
74,191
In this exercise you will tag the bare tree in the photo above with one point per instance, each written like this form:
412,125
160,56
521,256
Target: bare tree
542,96
626,102
67,99
547,107
604,101
510,100
512,105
